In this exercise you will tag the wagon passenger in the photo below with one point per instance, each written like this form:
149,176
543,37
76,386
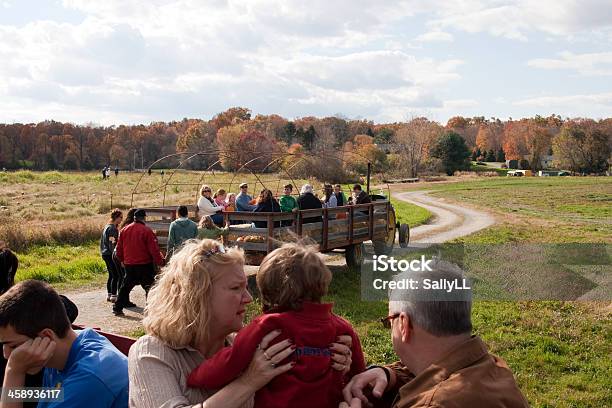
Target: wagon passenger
243,199
307,201
288,203
208,229
207,206
266,203
220,198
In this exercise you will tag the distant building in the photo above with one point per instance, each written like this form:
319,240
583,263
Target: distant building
546,161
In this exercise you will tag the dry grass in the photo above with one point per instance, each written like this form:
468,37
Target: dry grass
70,208
74,232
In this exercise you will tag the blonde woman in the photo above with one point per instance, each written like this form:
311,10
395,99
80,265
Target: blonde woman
208,206
200,298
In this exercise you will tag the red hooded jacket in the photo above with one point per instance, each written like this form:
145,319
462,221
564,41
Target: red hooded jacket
312,382
137,245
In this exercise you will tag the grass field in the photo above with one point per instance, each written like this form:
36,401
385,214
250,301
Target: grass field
559,351
538,209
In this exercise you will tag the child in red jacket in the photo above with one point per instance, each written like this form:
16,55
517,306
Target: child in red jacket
292,281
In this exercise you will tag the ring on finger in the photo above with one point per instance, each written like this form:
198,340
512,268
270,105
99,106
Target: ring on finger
273,364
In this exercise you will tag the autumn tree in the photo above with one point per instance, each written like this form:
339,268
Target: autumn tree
414,140
232,116
200,137
583,146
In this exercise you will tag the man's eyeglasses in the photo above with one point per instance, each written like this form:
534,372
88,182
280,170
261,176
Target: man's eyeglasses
208,191
386,321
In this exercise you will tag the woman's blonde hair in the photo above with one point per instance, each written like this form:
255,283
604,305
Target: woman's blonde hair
204,220
290,275
178,309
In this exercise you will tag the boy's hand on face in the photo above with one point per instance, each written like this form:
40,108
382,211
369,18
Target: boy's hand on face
31,356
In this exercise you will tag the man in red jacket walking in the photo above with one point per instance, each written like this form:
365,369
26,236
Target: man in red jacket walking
138,250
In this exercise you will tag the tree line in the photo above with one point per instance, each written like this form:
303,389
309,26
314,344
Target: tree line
408,148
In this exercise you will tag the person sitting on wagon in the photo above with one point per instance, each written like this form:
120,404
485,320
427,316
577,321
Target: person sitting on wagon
231,202
288,203
340,197
243,199
220,197
307,201
208,230
266,203
360,196
329,200
207,206
180,231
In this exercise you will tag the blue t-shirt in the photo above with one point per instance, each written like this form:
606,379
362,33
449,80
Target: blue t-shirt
95,375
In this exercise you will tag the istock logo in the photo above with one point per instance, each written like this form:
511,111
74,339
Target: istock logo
384,263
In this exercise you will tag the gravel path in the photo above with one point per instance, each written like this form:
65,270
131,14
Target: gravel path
450,221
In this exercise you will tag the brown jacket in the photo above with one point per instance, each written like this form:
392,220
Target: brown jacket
468,376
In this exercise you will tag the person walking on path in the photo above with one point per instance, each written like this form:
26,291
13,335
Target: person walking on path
138,250
109,238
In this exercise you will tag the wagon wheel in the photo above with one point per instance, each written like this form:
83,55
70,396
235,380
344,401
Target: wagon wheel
404,235
355,255
385,247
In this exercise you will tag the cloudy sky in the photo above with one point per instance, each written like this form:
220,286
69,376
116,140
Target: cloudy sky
128,61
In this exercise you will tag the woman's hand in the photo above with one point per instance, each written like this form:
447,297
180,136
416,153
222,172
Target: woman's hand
264,365
342,354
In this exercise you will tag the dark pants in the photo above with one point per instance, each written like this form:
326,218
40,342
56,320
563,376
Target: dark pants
115,275
143,275
217,219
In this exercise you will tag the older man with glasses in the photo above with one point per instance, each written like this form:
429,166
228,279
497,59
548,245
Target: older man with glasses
441,363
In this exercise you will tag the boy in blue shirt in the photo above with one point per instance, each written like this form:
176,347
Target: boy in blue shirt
36,334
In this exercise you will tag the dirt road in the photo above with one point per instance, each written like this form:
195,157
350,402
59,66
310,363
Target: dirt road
450,221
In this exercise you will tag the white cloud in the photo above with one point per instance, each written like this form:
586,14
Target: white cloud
584,64
163,60
585,105
435,36
516,19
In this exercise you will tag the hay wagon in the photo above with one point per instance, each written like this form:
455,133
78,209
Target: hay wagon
338,229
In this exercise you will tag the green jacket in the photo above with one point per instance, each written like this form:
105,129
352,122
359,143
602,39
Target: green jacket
287,203
213,233
180,231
